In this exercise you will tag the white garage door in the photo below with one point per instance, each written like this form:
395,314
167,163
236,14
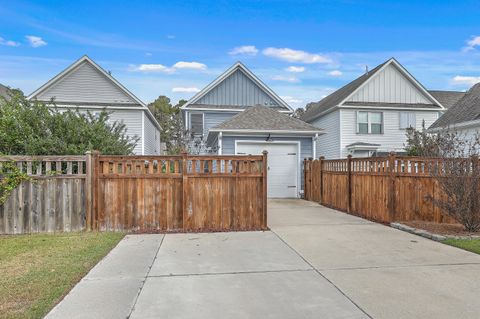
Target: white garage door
282,166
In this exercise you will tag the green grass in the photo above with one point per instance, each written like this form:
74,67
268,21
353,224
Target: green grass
36,271
472,245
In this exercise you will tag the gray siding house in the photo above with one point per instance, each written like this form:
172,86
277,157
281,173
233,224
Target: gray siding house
370,115
238,114
86,86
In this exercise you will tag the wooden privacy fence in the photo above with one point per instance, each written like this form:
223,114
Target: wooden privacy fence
52,200
138,193
384,189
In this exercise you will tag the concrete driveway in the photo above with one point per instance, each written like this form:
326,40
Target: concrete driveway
315,263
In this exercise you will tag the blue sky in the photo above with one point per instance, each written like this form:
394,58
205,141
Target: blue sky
302,49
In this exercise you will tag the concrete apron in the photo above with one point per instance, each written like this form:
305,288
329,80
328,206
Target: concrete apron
386,272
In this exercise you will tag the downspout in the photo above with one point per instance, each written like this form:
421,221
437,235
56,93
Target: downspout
314,145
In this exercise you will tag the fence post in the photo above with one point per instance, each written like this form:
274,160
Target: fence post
265,189
305,179
321,159
88,190
184,190
349,183
391,189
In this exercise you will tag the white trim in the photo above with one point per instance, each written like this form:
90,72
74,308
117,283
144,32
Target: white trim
390,108
299,162
227,73
363,148
319,131
84,58
404,71
220,135
314,146
213,110
143,133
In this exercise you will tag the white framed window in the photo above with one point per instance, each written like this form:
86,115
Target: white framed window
369,122
408,120
196,123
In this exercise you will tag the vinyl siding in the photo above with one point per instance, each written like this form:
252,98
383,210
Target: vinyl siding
212,119
306,150
328,144
152,137
237,89
390,86
392,139
85,84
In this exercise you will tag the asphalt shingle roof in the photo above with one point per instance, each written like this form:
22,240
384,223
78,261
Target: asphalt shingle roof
447,98
465,109
263,118
338,96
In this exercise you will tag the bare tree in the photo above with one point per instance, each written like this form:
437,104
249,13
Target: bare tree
458,174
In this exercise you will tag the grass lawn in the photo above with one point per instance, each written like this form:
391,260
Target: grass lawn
472,245
36,271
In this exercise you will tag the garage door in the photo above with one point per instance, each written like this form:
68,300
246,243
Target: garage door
282,166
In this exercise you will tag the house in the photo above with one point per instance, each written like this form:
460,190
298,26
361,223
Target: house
86,86
238,114
4,92
463,116
370,115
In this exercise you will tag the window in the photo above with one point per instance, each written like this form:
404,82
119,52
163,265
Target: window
196,123
369,122
407,120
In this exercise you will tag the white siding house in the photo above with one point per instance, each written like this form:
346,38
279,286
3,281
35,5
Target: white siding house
86,86
370,115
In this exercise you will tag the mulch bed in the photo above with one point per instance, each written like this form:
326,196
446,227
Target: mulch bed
441,229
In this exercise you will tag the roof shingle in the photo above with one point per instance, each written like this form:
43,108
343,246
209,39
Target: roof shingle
447,98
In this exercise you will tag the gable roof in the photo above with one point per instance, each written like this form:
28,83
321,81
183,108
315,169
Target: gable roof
262,118
73,67
238,66
447,98
339,97
465,109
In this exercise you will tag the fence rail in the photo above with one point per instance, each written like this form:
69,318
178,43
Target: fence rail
137,193
384,189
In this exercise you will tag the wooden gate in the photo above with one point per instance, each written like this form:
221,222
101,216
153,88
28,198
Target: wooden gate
177,193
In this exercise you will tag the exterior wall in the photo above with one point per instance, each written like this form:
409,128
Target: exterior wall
306,149
390,86
151,136
392,139
328,144
212,119
237,89
469,133
85,84
131,118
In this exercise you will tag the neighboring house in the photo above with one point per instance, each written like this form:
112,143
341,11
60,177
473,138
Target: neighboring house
86,86
370,115
238,114
463,116
5,92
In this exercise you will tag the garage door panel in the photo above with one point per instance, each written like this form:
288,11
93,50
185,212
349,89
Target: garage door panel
282,163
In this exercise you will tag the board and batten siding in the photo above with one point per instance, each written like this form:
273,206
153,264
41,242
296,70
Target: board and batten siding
237,89
151,137
85,84
328,144
389,86
306,150
212,119
392,139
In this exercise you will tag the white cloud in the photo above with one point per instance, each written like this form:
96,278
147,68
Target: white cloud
153,68
186,90
291,100
295,69
472,43
189,65
35,41
470,80
291,55
8,43
290,79
335,73
245,49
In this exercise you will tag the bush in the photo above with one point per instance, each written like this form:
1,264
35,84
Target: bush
35,128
